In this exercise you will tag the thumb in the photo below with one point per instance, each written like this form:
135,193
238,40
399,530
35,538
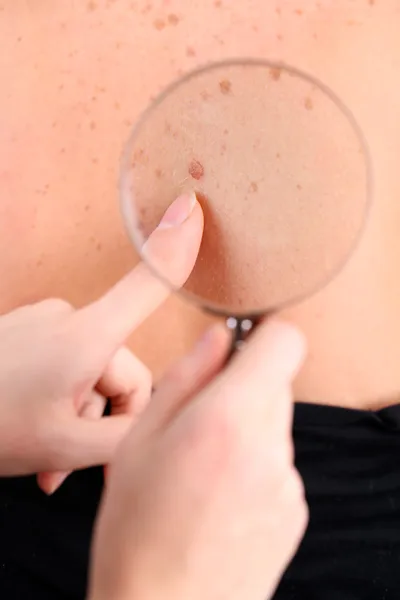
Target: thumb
170,254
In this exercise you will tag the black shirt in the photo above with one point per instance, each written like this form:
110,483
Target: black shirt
350,463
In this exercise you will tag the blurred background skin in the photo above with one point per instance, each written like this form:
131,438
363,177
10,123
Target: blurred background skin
74,77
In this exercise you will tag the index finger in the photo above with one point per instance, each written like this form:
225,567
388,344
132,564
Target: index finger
173,249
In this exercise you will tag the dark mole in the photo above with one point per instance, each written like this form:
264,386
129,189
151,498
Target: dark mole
253,187
275,73
173,19
92,6
190,51
196,169
159,24
308,104
225,86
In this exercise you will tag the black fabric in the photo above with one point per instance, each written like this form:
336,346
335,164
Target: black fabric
350,462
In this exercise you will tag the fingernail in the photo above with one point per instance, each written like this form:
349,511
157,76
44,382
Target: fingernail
56,484
179,211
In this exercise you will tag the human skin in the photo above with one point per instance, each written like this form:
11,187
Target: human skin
75,77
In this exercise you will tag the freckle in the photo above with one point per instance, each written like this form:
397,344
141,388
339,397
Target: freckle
87,208
205,95
159,24
299,12
371,2
173,19
117,105
278,11
92,6
196,169
278,156
138,154
308,104
99,246
275,73
94,98
226,131
95,161
39,263
62,150
158,173
299,187
190,51
255,28
253,187
223,149
225,86
143,212
92,125
218,3
279,37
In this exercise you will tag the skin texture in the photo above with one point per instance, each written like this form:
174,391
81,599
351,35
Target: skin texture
76,75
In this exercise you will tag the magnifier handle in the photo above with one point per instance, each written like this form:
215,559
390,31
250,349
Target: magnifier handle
241,329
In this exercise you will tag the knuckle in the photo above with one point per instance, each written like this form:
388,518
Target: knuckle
56,305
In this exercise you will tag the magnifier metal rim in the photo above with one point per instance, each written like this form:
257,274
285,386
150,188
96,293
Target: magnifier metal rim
137,239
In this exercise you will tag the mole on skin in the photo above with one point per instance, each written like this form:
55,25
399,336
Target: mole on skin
275,73
225,86
196,169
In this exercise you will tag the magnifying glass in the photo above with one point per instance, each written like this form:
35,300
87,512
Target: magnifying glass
283,174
